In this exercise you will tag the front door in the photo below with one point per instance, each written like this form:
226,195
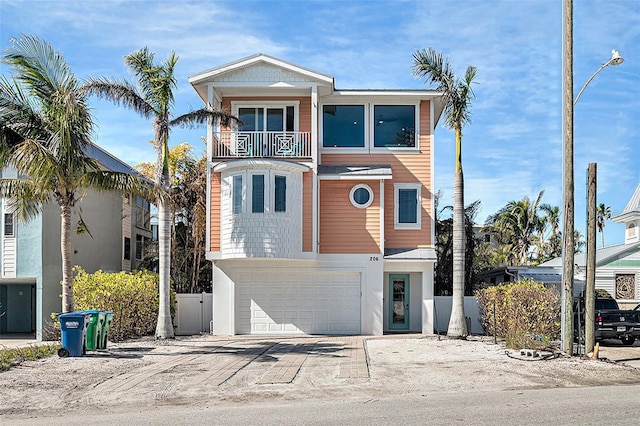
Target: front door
399,301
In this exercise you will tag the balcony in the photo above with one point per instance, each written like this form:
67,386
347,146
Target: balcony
287,145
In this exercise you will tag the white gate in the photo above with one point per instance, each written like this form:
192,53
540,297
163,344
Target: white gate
194,313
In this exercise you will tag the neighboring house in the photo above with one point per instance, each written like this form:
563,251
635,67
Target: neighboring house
320,203
31,271
617,266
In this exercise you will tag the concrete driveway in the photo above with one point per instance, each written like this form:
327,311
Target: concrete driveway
614,350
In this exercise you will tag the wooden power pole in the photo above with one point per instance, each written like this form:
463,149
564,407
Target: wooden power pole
590,290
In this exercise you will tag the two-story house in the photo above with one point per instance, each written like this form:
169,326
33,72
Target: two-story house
30,269
320,202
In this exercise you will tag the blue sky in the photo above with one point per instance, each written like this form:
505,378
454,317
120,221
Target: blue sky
512,147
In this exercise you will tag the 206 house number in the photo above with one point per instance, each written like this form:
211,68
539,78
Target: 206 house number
374,258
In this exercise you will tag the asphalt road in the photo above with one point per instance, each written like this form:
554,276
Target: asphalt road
616,405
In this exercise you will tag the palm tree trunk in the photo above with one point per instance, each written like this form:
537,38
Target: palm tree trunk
65,250
457,323
164,327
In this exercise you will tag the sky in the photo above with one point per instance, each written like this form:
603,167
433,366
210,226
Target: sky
512,148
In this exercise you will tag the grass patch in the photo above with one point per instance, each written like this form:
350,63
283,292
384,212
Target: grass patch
10,357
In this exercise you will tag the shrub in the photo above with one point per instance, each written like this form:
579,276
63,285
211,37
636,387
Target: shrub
15,356
132,297
527,313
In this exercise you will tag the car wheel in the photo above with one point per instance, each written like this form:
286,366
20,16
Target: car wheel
628,341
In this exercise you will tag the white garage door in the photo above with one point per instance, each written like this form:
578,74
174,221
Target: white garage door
294,301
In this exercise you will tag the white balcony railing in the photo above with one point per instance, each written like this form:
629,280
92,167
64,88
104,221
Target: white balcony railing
262,144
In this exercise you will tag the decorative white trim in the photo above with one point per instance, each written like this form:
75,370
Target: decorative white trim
396,206
260,164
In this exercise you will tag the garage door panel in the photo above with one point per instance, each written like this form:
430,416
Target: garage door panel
300,301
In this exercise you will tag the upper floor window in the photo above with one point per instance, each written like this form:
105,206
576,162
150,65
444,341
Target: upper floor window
280,193
343,126
267,118
407,203
394,126
9,230
143,213
257,193
236,198
139,246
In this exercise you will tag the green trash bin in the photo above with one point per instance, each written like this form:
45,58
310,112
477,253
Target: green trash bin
94,329
108,318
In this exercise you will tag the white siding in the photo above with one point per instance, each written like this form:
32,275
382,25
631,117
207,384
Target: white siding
265,235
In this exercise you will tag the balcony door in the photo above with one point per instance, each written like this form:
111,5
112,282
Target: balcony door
269,119
264,129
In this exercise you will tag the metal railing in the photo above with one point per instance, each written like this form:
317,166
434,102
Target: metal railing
228,144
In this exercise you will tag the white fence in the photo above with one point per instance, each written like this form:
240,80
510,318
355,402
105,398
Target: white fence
442,308
194,313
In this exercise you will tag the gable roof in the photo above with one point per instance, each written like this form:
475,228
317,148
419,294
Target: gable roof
632,210
213,73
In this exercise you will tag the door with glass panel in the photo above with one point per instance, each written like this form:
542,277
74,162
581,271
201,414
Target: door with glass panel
265,130
399,301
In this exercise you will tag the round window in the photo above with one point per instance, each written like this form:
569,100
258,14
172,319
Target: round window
361,196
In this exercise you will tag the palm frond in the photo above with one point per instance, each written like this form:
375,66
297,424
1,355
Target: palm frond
201,116
23,197
121,93
108,181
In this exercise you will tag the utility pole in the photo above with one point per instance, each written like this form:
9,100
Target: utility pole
568,191
590,290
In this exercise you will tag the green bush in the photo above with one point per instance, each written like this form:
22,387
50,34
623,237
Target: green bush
132,297
527,313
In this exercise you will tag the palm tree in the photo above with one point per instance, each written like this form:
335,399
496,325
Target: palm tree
153,98
519,224
457,96
45,131
603,213
551,241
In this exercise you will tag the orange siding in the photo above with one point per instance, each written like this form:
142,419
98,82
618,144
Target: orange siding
305,107
406,168
307,212
214,211
343,227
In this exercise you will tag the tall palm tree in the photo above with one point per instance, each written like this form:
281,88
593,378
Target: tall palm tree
153,98
45,130
457,95
603,213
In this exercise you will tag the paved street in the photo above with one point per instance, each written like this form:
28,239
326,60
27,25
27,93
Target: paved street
615,406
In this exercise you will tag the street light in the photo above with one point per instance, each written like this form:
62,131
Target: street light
615,60
568,199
